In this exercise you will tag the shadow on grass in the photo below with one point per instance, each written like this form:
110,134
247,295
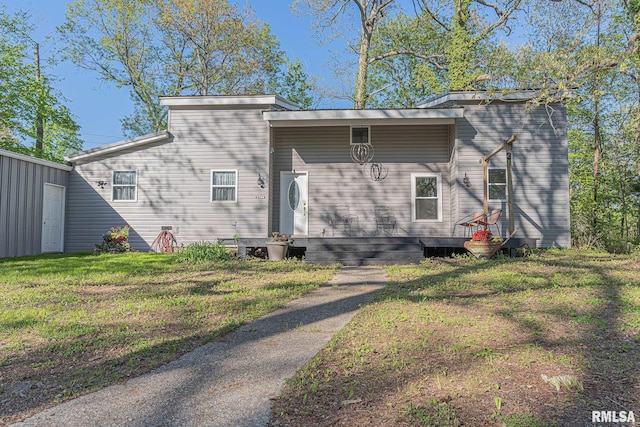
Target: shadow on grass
554,314
610,368
94,358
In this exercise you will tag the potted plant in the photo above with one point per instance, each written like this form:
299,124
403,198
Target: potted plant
483,245
116,240
277,246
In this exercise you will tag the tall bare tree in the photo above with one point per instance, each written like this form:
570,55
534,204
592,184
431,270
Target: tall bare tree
368,13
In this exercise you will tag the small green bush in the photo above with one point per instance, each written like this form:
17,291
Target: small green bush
204,251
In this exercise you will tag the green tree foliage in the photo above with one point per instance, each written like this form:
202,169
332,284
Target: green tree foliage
469,25
169,48
446,45
26,97
294,85
591,55
407,58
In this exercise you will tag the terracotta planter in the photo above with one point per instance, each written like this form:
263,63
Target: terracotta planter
481,249
277,250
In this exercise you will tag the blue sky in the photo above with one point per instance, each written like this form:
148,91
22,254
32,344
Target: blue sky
98,105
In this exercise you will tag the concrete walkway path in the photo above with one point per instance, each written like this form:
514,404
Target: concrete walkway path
227,383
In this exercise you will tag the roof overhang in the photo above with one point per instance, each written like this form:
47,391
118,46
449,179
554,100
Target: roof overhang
35,160
250,101
362,117
119,146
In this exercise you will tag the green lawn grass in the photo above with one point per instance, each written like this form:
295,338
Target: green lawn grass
74,323
534,341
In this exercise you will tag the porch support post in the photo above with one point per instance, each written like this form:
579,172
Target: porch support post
485,190
510,212
506,145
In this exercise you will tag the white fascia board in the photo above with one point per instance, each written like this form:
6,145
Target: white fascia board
118,146
362,117
35,160
228,101
497,95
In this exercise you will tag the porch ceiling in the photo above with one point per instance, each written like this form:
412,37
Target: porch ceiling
363,117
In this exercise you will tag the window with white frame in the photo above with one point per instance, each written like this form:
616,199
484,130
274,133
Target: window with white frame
360,134
125,186
224,185
426,197
497,184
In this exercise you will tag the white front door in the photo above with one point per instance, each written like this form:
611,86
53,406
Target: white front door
53,218
294,199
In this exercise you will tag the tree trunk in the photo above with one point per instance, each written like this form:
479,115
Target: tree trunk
459,49
596,163
596,128
360,101
39,122
638,148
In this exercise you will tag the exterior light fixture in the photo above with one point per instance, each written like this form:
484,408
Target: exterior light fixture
260,181
102,184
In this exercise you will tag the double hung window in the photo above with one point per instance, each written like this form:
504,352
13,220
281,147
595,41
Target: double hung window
224,186
497,184
426,197
124,186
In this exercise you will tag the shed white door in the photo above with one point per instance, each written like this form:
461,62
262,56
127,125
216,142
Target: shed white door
53,218
294,199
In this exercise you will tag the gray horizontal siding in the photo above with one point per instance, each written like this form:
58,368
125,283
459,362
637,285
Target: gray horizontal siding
540,166
334,179
21,199
174,183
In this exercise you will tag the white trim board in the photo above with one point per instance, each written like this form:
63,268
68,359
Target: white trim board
35,160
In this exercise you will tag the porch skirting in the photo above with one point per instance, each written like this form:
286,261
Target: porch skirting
373,250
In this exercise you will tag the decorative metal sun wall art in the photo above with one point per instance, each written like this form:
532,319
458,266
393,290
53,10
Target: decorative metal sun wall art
361,153
378,171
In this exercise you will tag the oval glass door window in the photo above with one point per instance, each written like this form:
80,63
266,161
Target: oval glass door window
294,195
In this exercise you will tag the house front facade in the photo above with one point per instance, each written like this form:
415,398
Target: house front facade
246,166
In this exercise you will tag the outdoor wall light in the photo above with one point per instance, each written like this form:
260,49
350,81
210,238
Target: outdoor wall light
466,181
260,181
102,184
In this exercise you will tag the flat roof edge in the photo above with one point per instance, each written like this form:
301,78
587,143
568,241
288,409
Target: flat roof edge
118,146
487,95
228,100
360,115
35,160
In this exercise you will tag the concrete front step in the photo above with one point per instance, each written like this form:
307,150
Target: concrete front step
346,255
364,251
344,246
368,261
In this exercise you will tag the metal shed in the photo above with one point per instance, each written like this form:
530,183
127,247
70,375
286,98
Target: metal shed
32,205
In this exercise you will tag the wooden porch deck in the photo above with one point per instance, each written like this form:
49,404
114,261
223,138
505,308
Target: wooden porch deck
374,250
